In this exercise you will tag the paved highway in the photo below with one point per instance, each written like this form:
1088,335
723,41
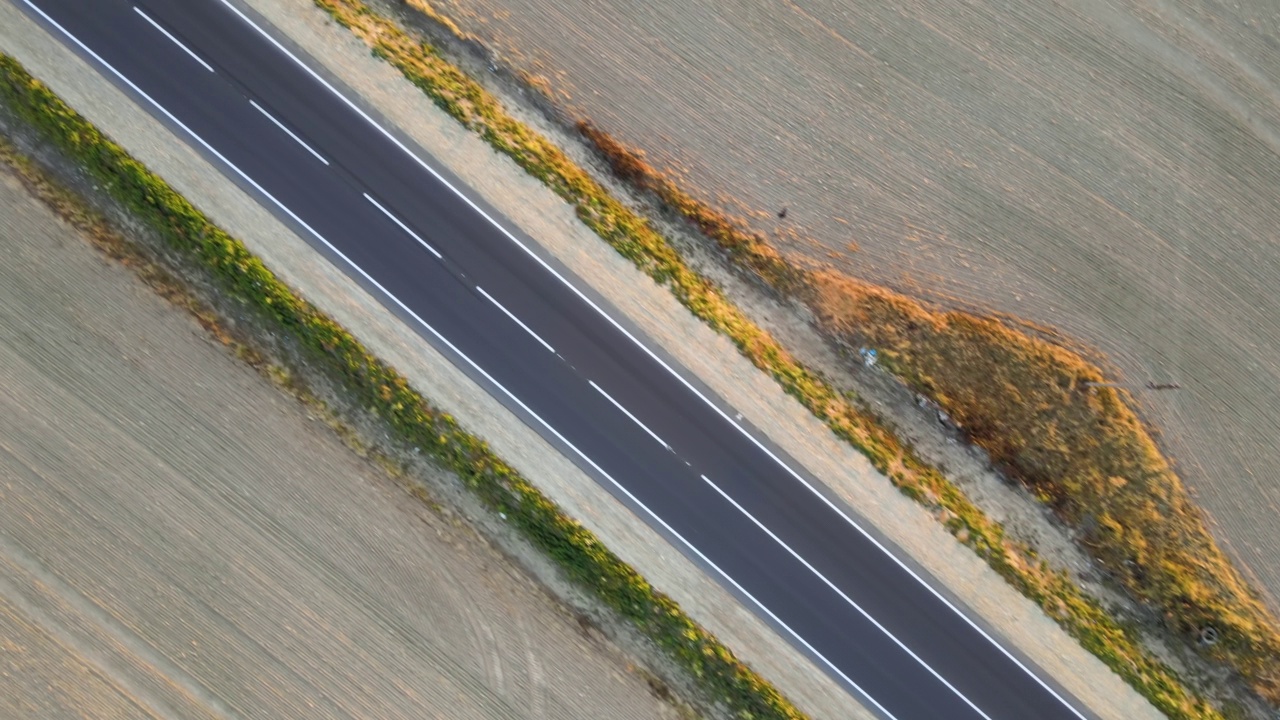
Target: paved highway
377,206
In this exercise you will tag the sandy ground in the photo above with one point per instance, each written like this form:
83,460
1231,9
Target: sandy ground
179,539
1105,167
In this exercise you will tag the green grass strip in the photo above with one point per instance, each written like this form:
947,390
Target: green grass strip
241,275
465,100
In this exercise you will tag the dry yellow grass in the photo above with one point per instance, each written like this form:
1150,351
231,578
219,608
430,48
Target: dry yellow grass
1079,447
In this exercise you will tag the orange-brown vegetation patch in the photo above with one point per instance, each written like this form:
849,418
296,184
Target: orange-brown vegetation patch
1031,405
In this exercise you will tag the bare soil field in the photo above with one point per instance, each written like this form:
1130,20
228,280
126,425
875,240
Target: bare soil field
180,539
1105,168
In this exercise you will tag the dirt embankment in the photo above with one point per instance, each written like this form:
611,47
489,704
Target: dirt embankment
180,539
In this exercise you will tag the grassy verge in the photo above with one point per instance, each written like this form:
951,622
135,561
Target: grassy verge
409,417
1083,450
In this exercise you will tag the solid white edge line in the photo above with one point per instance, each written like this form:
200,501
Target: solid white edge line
403,227
969,621
515,319
289,132
845,597
469,361
627,412
166,33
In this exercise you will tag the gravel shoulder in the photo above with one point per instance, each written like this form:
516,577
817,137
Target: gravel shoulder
181,539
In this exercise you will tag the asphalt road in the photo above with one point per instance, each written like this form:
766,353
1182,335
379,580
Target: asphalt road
380,210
